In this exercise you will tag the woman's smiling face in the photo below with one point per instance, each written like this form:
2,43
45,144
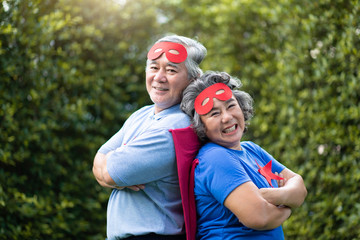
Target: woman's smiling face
225,123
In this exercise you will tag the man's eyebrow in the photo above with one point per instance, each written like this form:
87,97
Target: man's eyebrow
171,64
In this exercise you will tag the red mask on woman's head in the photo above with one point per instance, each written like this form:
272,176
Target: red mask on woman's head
164,47
210,93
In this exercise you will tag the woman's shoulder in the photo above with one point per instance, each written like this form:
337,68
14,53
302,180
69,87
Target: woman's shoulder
215,158
248,145
212,150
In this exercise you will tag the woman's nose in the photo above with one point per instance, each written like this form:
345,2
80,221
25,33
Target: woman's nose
226,116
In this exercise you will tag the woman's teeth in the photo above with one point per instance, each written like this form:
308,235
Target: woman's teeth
230,129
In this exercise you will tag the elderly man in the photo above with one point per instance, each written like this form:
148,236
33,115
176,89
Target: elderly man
138,162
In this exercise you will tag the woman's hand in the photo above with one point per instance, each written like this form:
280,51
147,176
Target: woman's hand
282,182
291,191
252,210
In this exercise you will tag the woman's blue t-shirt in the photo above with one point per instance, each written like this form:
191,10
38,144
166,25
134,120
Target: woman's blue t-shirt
219,172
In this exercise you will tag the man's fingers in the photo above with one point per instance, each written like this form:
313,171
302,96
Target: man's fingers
134,187
137,187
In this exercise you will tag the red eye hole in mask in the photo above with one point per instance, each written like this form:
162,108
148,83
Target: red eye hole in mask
210,93
165,47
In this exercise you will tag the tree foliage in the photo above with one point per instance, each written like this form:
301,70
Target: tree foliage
299,60
71,72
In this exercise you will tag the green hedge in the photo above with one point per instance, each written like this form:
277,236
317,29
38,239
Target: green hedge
70,76
72,71
300,61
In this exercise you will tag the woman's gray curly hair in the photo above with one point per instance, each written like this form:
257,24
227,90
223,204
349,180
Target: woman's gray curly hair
206,80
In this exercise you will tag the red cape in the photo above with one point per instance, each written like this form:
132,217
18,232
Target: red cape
187,146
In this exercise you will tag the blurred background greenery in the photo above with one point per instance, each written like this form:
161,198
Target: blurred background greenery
71,72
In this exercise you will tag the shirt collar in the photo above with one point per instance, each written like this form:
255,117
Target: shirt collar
165,112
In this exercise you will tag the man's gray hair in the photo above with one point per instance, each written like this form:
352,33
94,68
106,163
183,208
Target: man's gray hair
195,50
210,78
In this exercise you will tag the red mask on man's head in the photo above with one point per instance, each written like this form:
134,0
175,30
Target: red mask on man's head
210,93
178,55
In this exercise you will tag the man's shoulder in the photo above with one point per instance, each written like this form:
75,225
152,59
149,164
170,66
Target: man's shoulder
175,118
171,118
144,110
174,121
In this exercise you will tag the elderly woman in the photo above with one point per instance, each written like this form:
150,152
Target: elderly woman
238,192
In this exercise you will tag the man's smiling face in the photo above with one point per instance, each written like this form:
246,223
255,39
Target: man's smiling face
165,82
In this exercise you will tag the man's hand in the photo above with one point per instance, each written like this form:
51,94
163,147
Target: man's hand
134,187
99,170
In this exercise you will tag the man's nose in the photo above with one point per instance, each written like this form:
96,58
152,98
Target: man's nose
160,76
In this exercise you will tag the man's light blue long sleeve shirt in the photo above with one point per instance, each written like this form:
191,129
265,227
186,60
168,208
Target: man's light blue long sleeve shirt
145,154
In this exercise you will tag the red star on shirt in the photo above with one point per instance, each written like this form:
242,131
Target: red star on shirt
266,172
